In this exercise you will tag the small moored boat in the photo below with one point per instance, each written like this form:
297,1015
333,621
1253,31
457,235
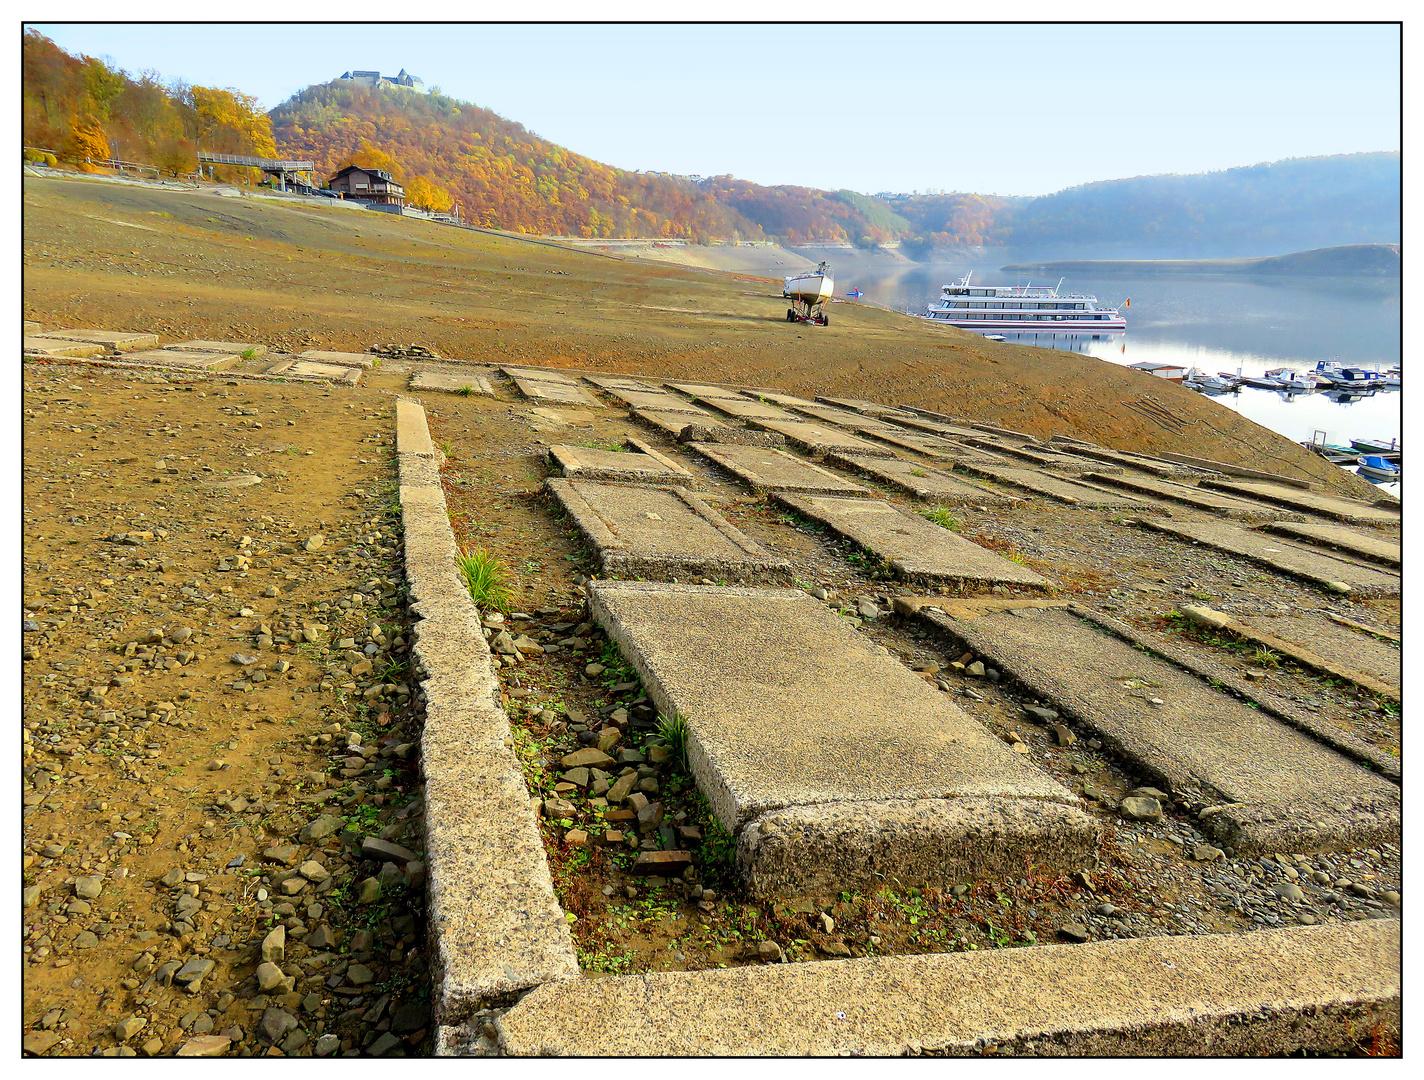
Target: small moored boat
1377,468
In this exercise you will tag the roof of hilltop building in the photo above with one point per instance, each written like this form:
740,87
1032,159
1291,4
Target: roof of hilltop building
375,78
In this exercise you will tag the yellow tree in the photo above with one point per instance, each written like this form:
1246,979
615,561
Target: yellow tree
427,194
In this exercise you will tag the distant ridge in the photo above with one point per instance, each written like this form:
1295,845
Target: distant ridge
1373,260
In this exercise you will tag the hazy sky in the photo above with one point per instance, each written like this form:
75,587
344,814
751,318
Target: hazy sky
1004,109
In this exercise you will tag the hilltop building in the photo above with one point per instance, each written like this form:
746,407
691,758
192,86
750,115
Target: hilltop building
375,187
375,78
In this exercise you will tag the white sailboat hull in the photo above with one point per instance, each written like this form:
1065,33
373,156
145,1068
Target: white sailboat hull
812,288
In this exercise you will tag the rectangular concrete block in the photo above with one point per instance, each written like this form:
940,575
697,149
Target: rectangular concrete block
52,346
746,409
662,533
642,464
244,350
656,400
790,709
1264,993
557,392
445,382
703,390
1284,556
931,446
786,401
1213,502
775,470
915,549
1265,786
818,439
312,371
364,361
1351,511
412,431
688,428
921,481
1059,488
181,358
1372,546
31,327
535,374
115,340
623,382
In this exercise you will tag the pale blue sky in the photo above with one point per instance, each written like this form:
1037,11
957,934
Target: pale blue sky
1004,109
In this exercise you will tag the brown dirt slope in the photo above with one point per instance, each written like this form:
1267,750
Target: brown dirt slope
293,274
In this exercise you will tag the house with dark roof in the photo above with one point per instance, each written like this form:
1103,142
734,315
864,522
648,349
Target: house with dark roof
368,185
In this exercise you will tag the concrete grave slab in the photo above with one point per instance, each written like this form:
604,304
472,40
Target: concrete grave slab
1258,994
1351,511
643,464
38,345
746,409
821,439
689,428
662,533
1285,556
1371,547
919,481
364,361
310,369
254,352
1266,786
916,550
115,340
538,375
562,393
445,382
704,390
834,764
1059,488
1213,502
654,399
173,357
765,469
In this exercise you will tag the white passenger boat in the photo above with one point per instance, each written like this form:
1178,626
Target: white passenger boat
1021,308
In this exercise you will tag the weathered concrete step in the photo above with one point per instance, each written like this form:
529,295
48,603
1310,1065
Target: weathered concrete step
244,350
174,357
931,446
776,470
641,463
1267,786
1202,498
624,382
786,401
920,481
705,390
445,382
1373,547
1329,648
746,409
412,431
819,439
560,392
116,340
38,345
860,405
845,418
1156,466
364,361
804,733
1268,992
688,428
1033,454
1207,465
1060,489
915,549
662,533
1332,506
937,427
1284,556
534,374
312,371
656,400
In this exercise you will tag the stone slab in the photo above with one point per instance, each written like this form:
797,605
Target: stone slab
654,399
662,533
1213,502
1369,546
539,375
1266,786
920,481
317,372
1038,456
746,409
1155,466
174,357
820,439
689,428
1208,465
786,401
116,340
860,405
445,382
51,346
765,469
364,361
931,446
494,921
915,549
31,327
1260,994
562,393
238,347
938,427
704,390
1350,511
1285,556
642,464
791,712
1004,433
623,382
1318,643
1059,488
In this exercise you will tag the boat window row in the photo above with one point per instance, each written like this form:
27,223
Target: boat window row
1028,316
1004,306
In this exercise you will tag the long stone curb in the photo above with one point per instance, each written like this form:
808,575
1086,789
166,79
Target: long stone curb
496,928
191,374
1319,988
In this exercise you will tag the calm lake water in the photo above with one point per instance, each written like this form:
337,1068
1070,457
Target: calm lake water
1215,323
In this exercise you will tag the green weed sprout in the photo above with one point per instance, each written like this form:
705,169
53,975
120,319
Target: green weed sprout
485,577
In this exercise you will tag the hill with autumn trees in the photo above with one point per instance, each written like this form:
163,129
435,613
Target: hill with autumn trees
448,152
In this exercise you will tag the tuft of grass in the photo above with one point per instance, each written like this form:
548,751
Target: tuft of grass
485,577
674,730
943,518
249,354
466,391
1265,658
